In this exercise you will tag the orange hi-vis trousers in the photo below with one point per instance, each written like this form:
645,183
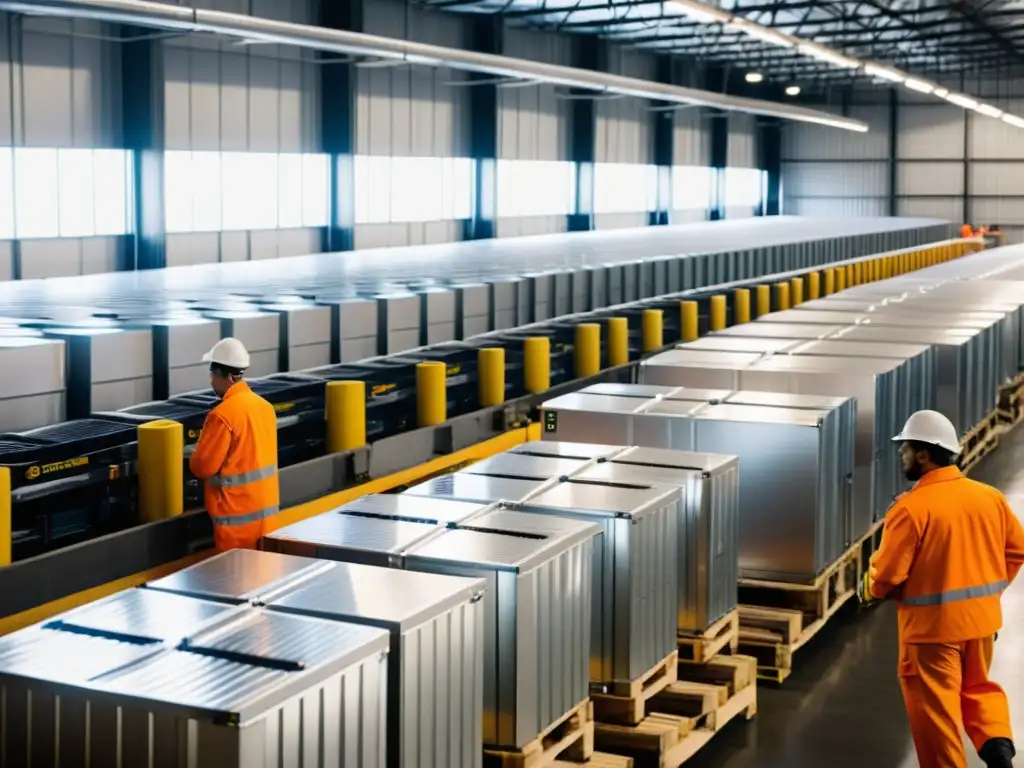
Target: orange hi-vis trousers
945,685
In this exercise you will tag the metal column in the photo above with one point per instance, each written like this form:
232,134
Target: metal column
770,148
663,155
715,80
587,53
486,36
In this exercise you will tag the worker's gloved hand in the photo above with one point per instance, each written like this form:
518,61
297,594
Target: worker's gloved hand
864,591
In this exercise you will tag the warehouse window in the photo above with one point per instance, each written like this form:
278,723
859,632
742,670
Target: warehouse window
408,189
743,187
536,188
692,188
625,188
214,191
51,193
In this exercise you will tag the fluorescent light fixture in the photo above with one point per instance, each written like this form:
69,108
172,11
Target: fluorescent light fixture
961,101
700,12
821,53
918,85
1016,122
754,77
792,90
988,110
884,73
760,32
942,92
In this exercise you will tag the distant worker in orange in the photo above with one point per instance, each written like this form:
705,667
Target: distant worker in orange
236,455
950,547
966,231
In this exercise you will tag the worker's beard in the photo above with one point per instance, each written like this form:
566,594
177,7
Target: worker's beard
914,473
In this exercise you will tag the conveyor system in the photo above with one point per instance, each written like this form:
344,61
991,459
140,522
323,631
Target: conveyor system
396,437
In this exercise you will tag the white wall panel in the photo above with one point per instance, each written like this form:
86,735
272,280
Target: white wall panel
923,178
623,131
997,178
930,131
835,179
805,141
691,140
1003,211
689,216
533,121
416,233
620,220
742,141
995,140
835,206
938,207
530,225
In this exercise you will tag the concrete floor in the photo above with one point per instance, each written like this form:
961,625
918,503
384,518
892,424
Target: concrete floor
842,706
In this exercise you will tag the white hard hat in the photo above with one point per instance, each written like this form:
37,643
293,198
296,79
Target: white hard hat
228,352
930,427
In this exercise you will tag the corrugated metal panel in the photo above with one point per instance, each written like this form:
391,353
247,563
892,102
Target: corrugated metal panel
997,210
742,145
622,131
835,206
70,256
686,217
530,225
620,220
806,141
940,207
533,124
931,178
691,145
997,178
930,132
739,212
994,139
633,63
538,46
185,249
853,180
414,233
395,18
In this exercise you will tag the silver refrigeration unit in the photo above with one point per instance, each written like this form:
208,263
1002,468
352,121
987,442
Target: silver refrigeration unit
537,627
435,624
145,675
794,520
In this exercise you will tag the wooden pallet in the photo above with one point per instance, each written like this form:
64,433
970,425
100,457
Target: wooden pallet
980,441
570,738
686,714
626,701
724,633
778,618
1010,402
597,760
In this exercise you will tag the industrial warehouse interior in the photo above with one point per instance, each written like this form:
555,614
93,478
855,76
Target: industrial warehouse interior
514,383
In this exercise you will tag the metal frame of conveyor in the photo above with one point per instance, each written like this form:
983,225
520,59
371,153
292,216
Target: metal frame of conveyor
400,459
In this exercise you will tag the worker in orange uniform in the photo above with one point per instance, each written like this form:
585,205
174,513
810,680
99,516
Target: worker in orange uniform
949,548
236,455
966,231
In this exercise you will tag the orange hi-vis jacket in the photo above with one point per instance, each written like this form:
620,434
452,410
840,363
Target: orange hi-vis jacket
966,231
950,547
236,456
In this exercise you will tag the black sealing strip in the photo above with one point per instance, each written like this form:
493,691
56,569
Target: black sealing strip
77,629
284,665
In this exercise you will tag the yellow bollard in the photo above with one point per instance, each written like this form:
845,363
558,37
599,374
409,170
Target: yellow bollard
688,328
850,275
161,448
431,393
741,306
830,281
858,273
537,364
346,415
718,318
841,279
814,286
5,516
781,297
618,341
653,330
490,369
796,291
764,300
588,350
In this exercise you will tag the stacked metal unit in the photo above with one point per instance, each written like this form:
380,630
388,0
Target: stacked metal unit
258,330
708,524
792,524
636,572
353,327
435,624
197,682
179,344
305,333
536,630
33,386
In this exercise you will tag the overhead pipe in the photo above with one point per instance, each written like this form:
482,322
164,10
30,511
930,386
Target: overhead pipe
184,19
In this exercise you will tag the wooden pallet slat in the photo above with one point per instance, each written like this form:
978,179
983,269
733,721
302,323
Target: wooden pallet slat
626,702
721,635
570,738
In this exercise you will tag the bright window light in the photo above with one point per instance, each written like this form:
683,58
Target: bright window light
289,190
6,193
742,187
792,90
76,193
36,189
207,200
691,188
316,191
536,188
112,177
625,188
754,77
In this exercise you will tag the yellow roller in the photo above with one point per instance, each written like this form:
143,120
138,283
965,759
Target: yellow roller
537,364
858,273
431,393
588,350
161,446
841,274
741,306
796,291
688,321
346,415
764,300
618,341
718,317
782,296
814,286
830,281
653,329
5,516
491,376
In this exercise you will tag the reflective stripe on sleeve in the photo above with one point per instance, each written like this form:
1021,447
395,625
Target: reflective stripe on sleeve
243,478
956,595
245,518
